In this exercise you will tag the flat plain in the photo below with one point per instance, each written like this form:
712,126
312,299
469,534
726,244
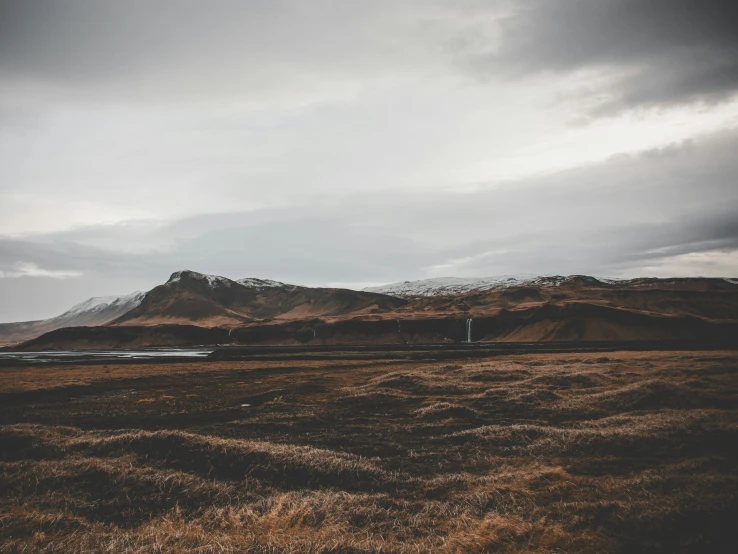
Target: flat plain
584,452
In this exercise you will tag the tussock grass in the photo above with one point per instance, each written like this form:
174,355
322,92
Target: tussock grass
664,434
446,410
652,394
579,454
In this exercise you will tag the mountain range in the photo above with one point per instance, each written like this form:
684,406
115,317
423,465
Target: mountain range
194,308
191,298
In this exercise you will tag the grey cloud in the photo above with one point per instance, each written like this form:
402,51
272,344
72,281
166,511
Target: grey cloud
607,251
53,256
181,48
667,51
608,219
86,40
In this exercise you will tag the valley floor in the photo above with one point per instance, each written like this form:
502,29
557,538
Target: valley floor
568,452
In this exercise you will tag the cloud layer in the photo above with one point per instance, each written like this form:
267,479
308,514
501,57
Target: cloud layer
598,220
361,143
653,52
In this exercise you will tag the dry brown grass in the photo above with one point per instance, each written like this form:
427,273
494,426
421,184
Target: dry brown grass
633,452
45,377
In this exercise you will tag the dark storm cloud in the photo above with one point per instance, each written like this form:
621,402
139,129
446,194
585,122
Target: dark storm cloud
659,51
668,51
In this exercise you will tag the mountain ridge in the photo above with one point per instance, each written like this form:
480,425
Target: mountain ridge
189,297
94,311
553,302
451,286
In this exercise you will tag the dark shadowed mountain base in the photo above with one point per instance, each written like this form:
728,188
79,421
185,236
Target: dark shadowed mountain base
572,322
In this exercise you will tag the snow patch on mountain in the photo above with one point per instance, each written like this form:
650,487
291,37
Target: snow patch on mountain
212,280
216,280
452,286
447,286
254,283
102,303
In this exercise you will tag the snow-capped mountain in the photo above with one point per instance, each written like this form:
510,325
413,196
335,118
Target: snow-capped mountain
90,313
452,286
216,280
456,286
197,299
108,307
191,298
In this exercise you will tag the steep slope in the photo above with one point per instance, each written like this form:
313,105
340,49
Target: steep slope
206,300
193,298
584,321
92,312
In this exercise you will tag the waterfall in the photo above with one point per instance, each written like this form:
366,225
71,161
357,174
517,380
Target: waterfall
314,333
399,332
229,332
468,330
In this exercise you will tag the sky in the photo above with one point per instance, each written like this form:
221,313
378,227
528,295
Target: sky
351,144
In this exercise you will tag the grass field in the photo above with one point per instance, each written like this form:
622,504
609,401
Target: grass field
618,452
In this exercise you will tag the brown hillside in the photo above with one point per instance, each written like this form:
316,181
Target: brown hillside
705,298
573,309
196,299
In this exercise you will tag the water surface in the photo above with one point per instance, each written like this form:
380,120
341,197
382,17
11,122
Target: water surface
102,355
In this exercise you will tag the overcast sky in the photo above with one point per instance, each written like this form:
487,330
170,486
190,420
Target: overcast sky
352,143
